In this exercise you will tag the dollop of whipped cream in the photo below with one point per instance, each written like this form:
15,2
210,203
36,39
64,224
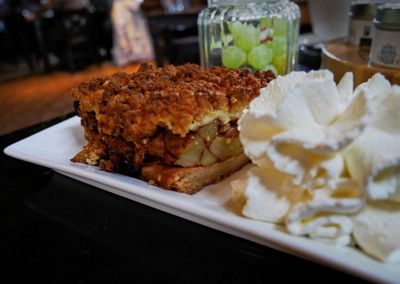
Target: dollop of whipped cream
322,152
377,230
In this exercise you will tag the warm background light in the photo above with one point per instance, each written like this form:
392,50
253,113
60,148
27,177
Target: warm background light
38,98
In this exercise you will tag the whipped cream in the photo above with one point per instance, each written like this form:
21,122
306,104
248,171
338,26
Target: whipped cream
322,151
373,160
267,194
377,230
300,119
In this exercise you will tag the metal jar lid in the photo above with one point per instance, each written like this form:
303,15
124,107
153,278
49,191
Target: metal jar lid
388,16
365,12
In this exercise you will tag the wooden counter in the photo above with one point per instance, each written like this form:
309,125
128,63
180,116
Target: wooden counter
339,57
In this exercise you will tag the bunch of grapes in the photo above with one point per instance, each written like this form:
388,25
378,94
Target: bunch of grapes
249,48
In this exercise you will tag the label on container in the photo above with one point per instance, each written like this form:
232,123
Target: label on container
361,32
385,50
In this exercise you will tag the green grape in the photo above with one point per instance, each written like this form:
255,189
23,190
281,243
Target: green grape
279,46
265,23
280,27
233,57
280,64
245,36
272,68
260,56
269,44
235,27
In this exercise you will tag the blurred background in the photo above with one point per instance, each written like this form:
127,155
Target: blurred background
50,46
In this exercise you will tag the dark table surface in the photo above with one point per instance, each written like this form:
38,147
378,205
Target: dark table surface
56,229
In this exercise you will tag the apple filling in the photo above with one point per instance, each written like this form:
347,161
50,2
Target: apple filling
209,144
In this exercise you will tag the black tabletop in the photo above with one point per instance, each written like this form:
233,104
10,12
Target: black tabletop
56,229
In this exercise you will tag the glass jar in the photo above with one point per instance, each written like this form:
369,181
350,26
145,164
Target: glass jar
255,34
385,50
361,27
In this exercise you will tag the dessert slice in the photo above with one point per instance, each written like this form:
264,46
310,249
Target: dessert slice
175,127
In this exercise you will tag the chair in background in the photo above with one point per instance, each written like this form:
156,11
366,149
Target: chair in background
75,38
175,37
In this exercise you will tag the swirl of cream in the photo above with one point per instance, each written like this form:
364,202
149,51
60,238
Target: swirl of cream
301,119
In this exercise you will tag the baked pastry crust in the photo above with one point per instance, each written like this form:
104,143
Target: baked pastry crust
135,105
191,180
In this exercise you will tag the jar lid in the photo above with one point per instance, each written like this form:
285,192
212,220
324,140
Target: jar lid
363,11
238,2
388,16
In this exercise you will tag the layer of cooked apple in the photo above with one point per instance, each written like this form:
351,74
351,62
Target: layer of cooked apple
211,143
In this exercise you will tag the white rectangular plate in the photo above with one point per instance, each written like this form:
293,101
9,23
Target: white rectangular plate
55,146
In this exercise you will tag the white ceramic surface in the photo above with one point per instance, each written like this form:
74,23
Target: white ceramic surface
53,148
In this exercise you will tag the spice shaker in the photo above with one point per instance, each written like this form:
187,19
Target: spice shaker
385,50
361,26
255,34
